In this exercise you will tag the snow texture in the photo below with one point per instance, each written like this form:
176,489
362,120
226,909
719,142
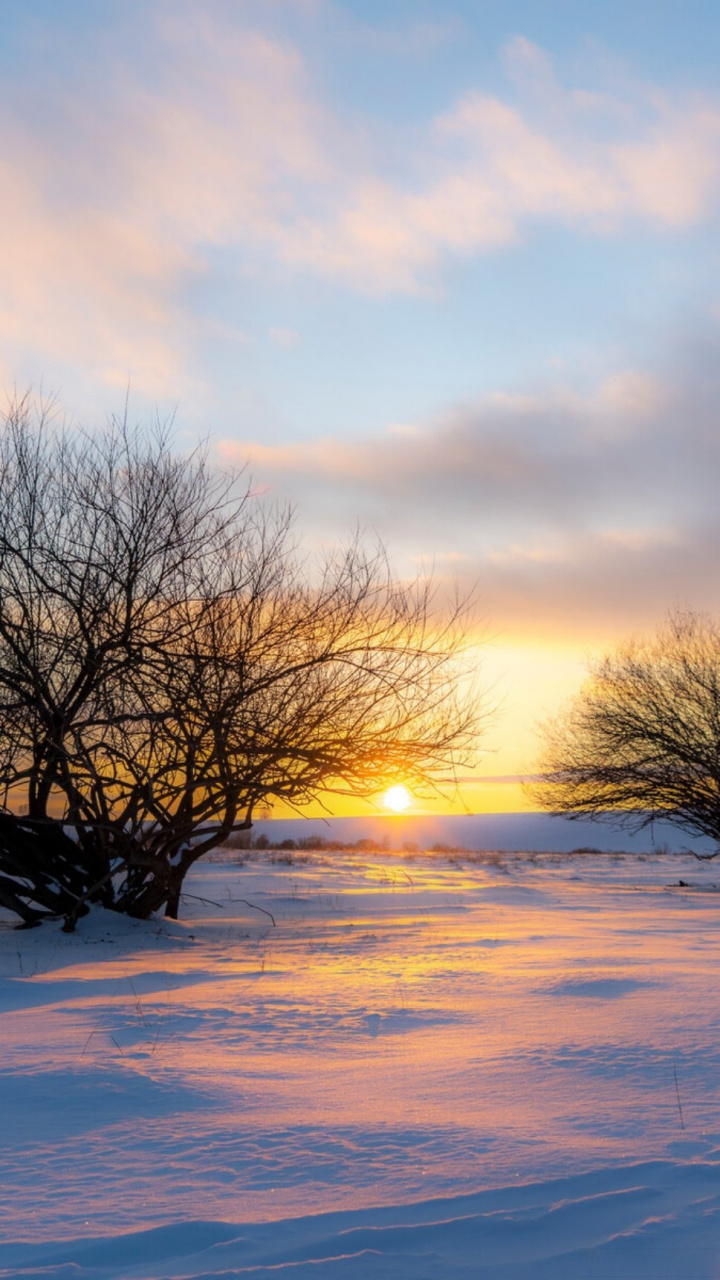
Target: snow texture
462,1066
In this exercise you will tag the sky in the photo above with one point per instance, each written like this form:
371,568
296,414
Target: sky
447,272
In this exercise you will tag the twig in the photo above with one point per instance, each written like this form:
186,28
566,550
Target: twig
207,902
677,1092
138,1003
92,1033
254,907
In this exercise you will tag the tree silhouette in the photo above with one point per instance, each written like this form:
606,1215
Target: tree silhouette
641,742
169,663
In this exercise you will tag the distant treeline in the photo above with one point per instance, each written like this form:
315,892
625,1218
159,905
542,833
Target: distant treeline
245,840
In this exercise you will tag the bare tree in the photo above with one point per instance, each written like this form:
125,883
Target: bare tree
641,742
169,663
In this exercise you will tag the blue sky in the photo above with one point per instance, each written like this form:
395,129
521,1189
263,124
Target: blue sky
448,271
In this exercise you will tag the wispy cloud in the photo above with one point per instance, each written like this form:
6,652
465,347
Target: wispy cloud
123,185
570,512
284,337
551,459
119,192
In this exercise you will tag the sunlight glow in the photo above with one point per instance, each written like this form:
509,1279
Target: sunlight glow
397,798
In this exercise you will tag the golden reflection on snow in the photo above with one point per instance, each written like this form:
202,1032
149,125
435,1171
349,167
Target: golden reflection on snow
475,1017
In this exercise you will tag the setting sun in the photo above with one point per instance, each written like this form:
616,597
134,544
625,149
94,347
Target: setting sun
397,798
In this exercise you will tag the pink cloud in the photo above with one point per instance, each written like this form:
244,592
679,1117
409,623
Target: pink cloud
586,515
115,203
119,196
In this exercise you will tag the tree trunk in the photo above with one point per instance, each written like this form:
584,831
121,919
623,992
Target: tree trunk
172,905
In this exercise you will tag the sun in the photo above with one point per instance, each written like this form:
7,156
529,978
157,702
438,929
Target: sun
397,798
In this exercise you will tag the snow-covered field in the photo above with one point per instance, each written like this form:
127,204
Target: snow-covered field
423,1068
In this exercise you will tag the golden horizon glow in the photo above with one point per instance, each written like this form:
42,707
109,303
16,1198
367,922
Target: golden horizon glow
527,678
397,798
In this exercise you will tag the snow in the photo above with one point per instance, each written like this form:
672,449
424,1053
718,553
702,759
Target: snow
460,1065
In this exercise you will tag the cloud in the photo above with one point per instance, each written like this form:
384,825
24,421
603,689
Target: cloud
287,338
488,170
549,458
120,191
588,514
130,174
